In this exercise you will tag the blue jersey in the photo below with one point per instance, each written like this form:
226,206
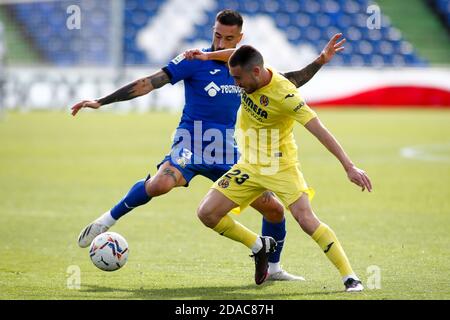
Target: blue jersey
210,93
205,134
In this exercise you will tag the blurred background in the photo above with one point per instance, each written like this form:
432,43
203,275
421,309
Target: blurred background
54,53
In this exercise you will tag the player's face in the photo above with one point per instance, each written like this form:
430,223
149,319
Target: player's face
246,79
225,37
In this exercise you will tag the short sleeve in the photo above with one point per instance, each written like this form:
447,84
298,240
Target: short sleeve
180,68
297,108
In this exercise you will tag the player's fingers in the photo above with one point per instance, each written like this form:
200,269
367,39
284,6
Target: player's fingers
363,186
77,105
192,53
368,182
340,43
361,182
339,49
365,182
75,111
76,108
197,55
356,181
335,38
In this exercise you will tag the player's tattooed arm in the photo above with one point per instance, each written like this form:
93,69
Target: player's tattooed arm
137,88
130,91
300,77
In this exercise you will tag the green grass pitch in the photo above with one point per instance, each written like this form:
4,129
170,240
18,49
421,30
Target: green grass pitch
57,173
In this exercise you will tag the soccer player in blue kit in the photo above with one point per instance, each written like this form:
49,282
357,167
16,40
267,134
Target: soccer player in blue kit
211,103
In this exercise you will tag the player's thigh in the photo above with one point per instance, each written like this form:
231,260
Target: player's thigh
216,203
269,206
288,184
240,184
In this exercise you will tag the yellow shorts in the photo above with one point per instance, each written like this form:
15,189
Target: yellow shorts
244,183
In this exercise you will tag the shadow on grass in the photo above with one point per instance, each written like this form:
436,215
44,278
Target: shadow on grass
202,293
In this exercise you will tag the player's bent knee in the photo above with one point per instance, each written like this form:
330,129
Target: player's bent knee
158,186
207,216
275,214
272,210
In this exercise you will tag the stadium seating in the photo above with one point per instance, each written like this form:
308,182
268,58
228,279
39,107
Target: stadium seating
45,23
309,22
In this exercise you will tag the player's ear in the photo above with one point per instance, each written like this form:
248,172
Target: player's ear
240,37
256,71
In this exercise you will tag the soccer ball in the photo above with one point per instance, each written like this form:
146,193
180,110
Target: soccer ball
109,251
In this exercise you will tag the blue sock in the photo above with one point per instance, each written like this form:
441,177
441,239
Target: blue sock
136,197
278,232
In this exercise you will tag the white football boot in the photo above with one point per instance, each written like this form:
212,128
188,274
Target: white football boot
90,232
283,275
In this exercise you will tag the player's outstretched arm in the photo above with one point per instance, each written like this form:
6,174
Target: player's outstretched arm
300,77
135,89
355,175
221,55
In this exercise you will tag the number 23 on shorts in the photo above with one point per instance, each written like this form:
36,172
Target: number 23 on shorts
238,176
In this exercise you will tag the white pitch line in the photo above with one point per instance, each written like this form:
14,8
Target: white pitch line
427,152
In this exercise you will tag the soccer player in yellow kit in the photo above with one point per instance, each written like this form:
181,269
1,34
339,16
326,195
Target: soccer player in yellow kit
270,105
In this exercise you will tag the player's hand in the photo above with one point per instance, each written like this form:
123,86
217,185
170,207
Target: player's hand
85,104
195,54
360,178
331,48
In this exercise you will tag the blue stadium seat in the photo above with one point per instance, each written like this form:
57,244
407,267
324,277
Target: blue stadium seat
311,22
270,6
290,6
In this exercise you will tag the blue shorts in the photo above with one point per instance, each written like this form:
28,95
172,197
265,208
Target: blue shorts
184,159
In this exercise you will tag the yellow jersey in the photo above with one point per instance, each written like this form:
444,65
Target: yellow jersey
266,118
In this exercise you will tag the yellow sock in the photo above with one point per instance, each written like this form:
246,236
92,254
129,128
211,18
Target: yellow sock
330,245
234,230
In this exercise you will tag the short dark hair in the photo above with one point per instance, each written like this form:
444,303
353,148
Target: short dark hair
246,57
230,17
